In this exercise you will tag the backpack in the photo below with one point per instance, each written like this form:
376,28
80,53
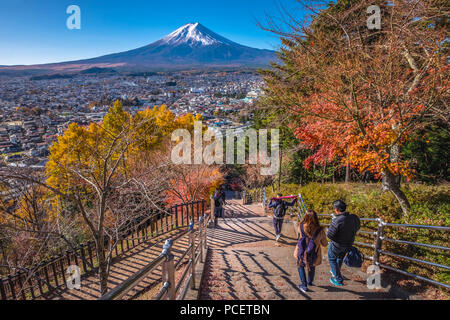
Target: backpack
279,211
354,258
307,245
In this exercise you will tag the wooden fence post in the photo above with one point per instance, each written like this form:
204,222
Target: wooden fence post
200,237
205,235
192,238
11,286
83,256
168,271
213,209
55,273
176,216
2,290
61,265
21,285
30,285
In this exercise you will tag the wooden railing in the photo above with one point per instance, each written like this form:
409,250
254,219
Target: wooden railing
171,289
41,280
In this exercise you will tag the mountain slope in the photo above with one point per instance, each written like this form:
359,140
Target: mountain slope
192,45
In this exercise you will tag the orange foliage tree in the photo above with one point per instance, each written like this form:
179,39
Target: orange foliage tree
356,94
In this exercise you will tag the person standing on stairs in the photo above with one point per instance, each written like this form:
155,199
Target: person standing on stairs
308,251
279,212
219,202
341,232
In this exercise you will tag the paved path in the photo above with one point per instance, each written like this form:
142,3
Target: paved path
245,263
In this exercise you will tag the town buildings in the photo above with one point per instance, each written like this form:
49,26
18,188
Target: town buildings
35,110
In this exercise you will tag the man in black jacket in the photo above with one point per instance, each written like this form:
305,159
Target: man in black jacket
279,212
342,232
219,202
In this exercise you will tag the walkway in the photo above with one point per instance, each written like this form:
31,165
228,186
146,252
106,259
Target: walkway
245,263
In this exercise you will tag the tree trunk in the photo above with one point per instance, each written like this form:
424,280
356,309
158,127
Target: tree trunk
324,172
347,173
102,266
390,182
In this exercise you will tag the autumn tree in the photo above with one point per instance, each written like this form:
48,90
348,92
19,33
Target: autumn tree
30,231
90,171
102,177
355,93
190,182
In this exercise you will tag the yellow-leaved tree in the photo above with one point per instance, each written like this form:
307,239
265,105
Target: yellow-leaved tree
105,175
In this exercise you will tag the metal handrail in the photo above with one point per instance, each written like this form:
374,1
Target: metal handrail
121,290
432,246
364,244
303,203
414,259
185,253
166,259
440,228
183,276
163,291
437,283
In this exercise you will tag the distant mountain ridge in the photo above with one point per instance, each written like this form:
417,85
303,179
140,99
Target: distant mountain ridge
192,45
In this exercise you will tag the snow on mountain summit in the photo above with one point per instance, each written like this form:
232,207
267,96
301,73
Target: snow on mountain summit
194,34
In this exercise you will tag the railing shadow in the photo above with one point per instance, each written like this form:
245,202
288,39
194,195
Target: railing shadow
131,263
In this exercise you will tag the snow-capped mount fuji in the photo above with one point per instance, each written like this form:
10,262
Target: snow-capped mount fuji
191,46
194,34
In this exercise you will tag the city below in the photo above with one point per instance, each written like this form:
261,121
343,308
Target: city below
35,110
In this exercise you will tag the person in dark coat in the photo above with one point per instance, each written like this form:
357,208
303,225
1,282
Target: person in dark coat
279,212
219,202
341,232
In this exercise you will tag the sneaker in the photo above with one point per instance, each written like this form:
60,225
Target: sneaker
277,237
335,282
302,288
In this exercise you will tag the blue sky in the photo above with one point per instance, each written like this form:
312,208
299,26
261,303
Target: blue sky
34,31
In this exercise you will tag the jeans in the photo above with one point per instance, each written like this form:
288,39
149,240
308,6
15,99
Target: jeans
218,211
277,225
302,274
336,257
